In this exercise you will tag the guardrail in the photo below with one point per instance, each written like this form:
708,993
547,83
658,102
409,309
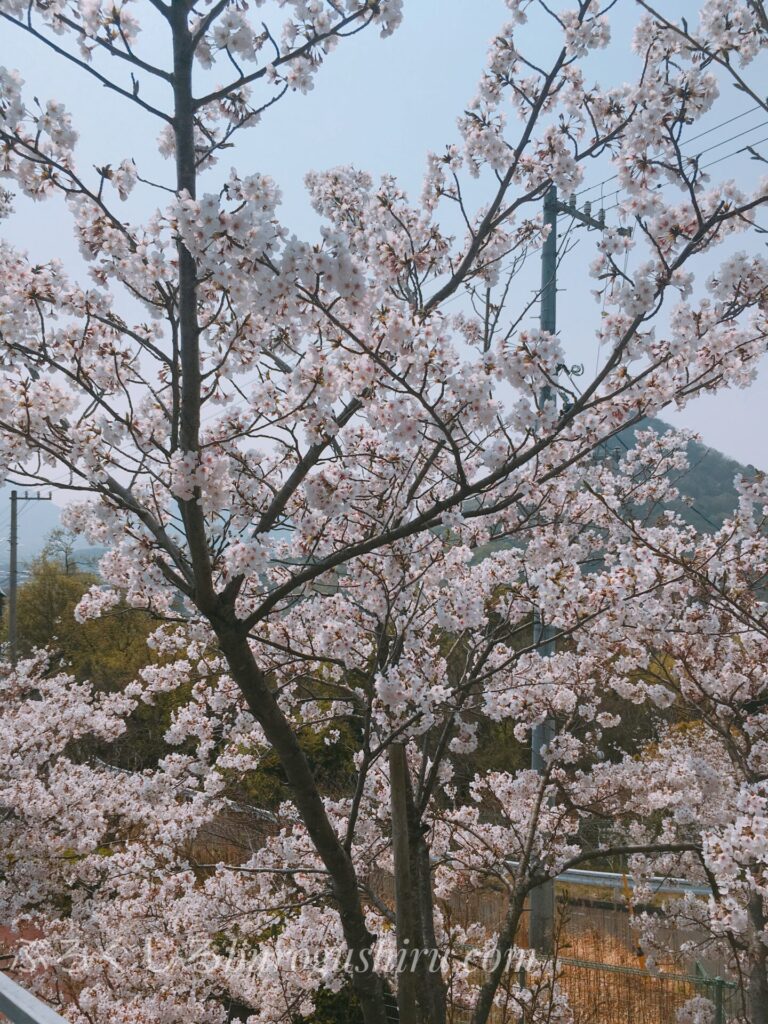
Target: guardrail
21,1007
617,880
612,880
614,992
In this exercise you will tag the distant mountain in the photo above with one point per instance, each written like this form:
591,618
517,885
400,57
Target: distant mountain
708,483
708,495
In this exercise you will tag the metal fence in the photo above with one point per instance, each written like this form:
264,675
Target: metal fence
600,968
21,1007
610,994
598,993
601,993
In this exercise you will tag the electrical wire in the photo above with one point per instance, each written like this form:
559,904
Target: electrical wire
708,131
711,163
693,138
736,152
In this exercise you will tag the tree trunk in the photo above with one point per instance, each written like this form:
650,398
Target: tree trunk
505,942
234,643
431,988
408,944
758,974
265,709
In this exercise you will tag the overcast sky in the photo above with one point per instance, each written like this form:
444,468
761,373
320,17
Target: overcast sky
382,105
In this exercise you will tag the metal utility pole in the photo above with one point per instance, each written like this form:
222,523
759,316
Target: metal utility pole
14,569
542,898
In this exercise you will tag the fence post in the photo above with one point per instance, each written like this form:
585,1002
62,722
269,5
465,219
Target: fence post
719,1001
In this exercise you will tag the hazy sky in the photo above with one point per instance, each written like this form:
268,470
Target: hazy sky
382,104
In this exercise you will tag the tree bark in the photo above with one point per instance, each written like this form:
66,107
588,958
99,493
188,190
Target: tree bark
431,990
758,974
505,942
189,327
408,943
261,701
233,640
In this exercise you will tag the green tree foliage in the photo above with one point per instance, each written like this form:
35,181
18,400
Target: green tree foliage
340,1007
109,651
330,755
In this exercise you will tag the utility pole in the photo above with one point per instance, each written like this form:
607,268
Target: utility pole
14,569
542,898
13,577
405,904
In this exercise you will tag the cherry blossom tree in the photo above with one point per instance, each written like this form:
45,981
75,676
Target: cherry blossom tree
705,781
295,453
248,931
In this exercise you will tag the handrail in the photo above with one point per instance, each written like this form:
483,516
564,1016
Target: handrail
21,1007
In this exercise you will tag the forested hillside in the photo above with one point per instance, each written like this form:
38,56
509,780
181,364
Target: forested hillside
708,486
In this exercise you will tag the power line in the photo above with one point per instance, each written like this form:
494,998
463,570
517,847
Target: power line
731,138
687,142
711,163
717,127
736,152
